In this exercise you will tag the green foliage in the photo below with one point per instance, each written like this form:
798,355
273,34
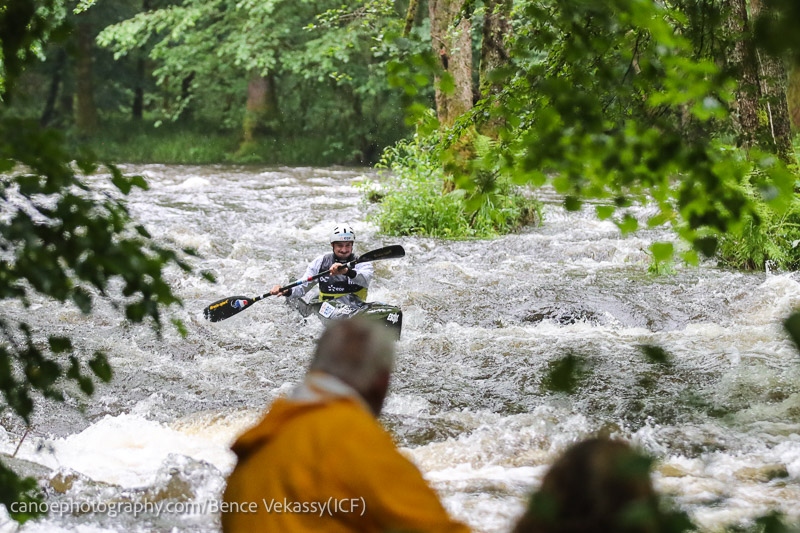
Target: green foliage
611,101
195,142
413,201
15,489
325,70
176,143
566,374
662,254
792,327
596,128
775,28
64,239
768,237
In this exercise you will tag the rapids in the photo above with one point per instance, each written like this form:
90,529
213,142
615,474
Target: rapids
484,323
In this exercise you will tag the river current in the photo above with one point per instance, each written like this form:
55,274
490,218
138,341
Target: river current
485,322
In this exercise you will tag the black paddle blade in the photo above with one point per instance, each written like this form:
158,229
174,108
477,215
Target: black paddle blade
227,307
388,252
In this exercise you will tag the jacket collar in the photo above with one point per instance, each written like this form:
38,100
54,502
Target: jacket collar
319,387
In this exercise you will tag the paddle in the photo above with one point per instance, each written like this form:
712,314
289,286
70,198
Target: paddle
227,307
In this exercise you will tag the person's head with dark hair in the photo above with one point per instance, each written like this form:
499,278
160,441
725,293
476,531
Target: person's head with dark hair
598,485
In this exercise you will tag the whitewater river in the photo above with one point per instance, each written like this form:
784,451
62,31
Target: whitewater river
484,323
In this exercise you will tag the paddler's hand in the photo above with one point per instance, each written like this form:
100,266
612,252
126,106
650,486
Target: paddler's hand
277,290
338,269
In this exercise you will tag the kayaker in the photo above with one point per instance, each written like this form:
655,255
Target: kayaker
320,460
342,280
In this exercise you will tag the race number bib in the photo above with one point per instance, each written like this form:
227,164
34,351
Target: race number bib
326,309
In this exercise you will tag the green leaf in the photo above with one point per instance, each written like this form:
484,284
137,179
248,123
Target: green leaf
100,366
447,83
571,203
605,212
564,374
60,344
22,491
83,300
181,327
792,327
628,224
139,181
29,185
706,245
141,230
656,354
662,251
120,182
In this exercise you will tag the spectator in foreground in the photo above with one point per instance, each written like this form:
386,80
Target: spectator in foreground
320,461
599,486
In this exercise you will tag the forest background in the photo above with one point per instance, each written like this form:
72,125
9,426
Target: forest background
687,105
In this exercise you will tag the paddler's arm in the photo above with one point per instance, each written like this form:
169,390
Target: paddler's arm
298,291
277,290
361,274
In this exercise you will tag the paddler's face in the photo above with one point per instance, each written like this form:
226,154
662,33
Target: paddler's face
342,250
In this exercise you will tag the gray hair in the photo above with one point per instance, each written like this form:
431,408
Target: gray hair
356,351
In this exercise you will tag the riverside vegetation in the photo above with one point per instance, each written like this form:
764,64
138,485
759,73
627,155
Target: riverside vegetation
679,104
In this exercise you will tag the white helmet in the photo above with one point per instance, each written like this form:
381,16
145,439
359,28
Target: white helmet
343,233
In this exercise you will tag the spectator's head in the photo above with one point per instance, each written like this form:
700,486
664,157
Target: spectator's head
597,485
359,352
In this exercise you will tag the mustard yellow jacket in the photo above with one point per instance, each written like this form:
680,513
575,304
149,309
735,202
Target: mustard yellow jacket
323,463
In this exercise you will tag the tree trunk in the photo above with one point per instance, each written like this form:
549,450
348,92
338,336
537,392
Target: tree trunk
411,15
261,107
137,110
744,62
774,82
453,46
85,109
49,111
496,26
494,54
186,94
793,97
762,88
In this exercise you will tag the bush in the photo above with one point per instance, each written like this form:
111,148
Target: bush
773,239
415,200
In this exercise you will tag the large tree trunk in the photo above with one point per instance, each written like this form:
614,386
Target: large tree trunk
411,15
761,89
453,46
494,53
85,109
774,83
744,62
261,107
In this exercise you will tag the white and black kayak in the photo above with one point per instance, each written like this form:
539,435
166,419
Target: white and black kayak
349,306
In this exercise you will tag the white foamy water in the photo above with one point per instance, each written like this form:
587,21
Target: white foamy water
483,323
